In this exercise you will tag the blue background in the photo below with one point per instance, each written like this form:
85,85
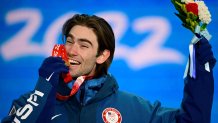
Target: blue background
29,29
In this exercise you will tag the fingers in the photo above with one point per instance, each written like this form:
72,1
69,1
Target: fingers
54,64
52,59
60,67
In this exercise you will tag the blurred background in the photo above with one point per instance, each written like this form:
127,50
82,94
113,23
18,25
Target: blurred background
151,45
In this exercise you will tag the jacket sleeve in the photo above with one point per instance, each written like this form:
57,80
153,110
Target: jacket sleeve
34,107
198,92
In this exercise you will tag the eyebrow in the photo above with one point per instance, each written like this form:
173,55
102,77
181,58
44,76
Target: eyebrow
81,39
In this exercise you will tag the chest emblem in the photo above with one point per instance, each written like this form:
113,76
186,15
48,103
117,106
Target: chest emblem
111,115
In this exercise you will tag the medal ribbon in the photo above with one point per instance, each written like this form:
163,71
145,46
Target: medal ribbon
192,60
79,81
74,89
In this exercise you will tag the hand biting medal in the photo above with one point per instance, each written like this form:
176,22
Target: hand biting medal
60,51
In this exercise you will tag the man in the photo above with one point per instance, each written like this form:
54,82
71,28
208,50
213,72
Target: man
90,46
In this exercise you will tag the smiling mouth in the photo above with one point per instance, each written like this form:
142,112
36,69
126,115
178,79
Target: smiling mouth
74,62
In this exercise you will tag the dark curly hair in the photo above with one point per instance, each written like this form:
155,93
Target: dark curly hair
103,31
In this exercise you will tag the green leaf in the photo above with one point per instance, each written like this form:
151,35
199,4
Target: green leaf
192,24
184,8
203,27
195,17
181,17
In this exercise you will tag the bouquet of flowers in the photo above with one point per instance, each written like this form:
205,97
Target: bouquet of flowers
192,13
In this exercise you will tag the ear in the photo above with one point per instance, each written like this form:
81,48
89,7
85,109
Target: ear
103,56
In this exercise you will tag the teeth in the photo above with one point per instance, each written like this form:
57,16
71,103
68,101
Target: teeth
72,62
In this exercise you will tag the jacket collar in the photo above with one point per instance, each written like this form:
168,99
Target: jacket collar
110,86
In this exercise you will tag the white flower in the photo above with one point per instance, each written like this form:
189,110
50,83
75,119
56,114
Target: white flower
203,12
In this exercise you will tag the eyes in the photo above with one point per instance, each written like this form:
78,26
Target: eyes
84,46
82,43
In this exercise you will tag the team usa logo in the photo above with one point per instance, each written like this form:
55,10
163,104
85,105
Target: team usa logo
111,115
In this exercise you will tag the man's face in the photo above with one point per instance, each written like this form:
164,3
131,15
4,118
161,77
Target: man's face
81,46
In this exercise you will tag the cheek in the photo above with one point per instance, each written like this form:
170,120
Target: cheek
67,48
88,54
90,59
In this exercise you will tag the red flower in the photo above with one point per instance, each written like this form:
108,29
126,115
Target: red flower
192,7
